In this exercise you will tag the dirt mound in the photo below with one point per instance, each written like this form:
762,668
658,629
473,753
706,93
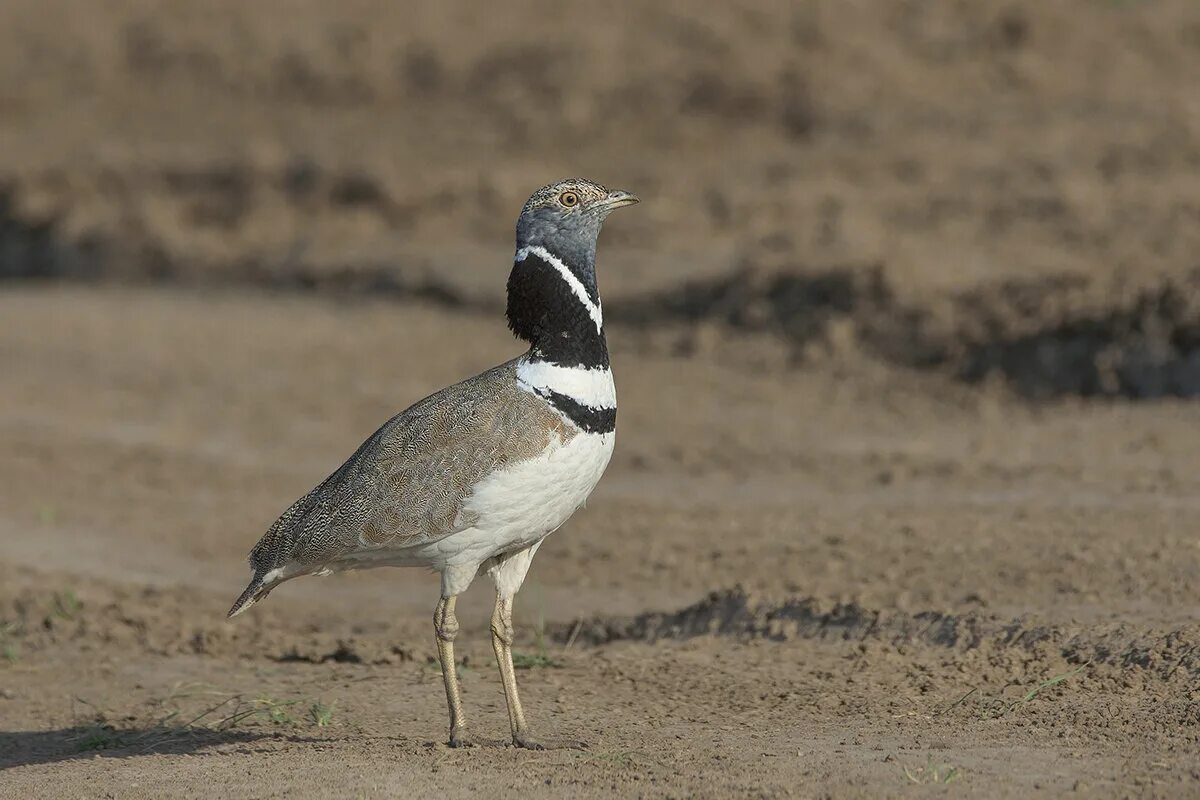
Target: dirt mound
34,248
734,613
1048,337
158,622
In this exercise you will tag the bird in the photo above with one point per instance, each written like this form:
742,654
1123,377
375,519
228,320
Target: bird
473,478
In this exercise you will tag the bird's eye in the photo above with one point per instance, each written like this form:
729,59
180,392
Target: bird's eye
568,199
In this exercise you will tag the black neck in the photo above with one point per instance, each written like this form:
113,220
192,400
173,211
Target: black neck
544,311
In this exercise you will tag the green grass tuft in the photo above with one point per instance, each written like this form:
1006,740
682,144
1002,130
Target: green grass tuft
533,660
275,711
321,713
540,658
66,605
9,650
996,707
933,774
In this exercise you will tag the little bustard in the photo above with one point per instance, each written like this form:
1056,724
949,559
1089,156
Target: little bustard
473,478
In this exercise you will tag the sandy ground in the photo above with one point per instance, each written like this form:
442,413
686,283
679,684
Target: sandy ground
859,580
907,340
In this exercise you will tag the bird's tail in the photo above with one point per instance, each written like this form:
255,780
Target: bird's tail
256,591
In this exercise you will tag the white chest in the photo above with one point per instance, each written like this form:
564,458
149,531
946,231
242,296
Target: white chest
523,503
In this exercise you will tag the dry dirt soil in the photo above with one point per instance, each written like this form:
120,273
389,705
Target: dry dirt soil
907,340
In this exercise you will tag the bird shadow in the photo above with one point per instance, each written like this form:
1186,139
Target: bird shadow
24,748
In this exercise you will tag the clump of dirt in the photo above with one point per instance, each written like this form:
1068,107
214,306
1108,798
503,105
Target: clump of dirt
737,614
795,306
32,247
1068,336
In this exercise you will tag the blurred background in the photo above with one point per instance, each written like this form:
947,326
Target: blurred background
906,328
981,187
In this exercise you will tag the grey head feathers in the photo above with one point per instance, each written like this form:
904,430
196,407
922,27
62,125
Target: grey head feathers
565,218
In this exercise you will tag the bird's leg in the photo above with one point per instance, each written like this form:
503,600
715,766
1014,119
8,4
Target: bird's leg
502,639
445,628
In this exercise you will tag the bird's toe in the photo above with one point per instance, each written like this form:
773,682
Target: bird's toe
459,739
526,743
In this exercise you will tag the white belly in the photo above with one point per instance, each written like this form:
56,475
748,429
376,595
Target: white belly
525,502
516,507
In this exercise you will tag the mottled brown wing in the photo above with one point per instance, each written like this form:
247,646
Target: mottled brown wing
408,482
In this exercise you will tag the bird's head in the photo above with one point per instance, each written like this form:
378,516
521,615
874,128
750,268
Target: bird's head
566,217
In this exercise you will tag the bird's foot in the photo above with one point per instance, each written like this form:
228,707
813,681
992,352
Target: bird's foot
525,743
460,739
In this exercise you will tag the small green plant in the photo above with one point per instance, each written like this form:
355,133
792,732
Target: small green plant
995,707
321,713
9,651
1046,684
165,722
933,774
541,657
274,711
98,737
533,660
66,605
93,732
462,666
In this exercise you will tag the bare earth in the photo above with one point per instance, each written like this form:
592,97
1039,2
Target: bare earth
907,343
958,552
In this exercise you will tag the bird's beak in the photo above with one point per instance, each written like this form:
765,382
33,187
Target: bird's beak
618,198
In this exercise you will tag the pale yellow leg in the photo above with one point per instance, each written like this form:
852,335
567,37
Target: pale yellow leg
445,628
502,639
